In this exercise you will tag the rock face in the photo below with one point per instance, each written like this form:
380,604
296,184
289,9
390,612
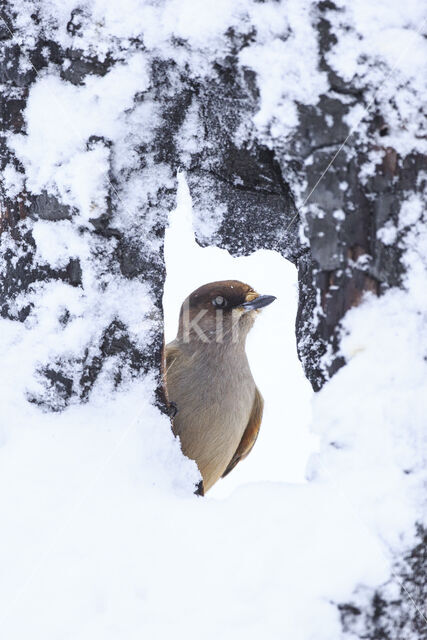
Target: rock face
325,192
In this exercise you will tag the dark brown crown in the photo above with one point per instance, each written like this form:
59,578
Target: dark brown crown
233,291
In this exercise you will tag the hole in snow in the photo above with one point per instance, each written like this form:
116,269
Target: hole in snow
284,442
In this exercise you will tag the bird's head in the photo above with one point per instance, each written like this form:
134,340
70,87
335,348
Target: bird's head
220,312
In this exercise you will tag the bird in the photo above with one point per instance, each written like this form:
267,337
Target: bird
214,404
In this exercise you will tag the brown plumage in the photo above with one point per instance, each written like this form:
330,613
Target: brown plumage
216,405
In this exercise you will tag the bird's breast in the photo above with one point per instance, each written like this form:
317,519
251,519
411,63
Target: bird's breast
214,393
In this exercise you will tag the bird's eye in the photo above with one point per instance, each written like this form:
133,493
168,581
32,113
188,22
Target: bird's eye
220,302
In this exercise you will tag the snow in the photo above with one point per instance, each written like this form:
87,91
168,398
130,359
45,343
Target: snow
287,66
101,534
380,47
56,244
370,433
387,234
61,118
12,181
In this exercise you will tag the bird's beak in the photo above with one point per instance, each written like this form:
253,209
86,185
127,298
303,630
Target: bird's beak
258,303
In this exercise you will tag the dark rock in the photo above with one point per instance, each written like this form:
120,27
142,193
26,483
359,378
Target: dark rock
101,226
82,65
74,272
46,207
76,21
399,617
